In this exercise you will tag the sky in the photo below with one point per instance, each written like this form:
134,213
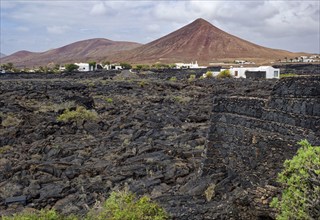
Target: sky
40,25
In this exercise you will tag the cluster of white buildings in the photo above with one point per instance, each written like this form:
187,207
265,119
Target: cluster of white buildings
302,59
86,67
266,72
189,66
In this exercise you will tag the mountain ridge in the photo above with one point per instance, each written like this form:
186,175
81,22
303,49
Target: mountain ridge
201,41
198,41
80,51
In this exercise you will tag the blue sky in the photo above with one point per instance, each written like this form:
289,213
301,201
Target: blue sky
40,25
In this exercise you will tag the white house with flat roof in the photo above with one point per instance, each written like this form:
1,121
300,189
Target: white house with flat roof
83,67
267,72
189,66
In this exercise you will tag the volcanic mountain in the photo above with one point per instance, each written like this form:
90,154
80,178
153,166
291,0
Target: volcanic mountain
81,51
199,41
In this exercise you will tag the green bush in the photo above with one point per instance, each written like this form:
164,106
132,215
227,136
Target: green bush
142,83
126,65
173,79
288,75
192,77
300,179
78,115
142,67
71,67
224,74
109,100
39,215
10,120
209,74
160,66
124,205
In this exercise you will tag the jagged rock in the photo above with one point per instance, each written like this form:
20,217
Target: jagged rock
169,140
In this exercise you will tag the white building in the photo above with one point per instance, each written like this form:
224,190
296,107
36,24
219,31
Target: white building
267,72
189,66
84,67
112,67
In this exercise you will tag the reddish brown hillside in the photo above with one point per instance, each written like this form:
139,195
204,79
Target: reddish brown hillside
199,41
81,51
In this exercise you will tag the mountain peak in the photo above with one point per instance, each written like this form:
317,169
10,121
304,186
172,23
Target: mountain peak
201,21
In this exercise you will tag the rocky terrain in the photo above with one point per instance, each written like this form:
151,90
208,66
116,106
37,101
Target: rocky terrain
299,69
203,149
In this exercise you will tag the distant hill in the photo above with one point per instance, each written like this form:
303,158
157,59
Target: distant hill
199,41
2,55
81,51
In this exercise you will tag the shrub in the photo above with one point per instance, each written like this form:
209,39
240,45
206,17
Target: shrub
78,115
126,65
288,75
10,121
173,79
192,77
209,193
142,67
209,74
160,66
5,149
300,179
109,100
124,205
39,215
71,67
182,99
142,83
224,74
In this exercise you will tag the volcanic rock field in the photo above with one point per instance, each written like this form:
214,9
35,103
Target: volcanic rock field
202,149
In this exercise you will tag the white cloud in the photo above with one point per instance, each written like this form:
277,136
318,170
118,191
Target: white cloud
57,29
22,29
98,9
263,22
153,28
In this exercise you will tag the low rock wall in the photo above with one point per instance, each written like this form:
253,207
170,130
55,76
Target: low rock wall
250,138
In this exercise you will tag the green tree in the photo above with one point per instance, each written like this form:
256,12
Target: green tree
7,66
92,65
172,66
106,63
142,67
125,65
71,67
300,180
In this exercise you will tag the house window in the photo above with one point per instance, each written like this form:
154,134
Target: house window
276,74
235,73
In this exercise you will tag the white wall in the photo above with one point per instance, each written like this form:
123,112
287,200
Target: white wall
83,67
270,71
